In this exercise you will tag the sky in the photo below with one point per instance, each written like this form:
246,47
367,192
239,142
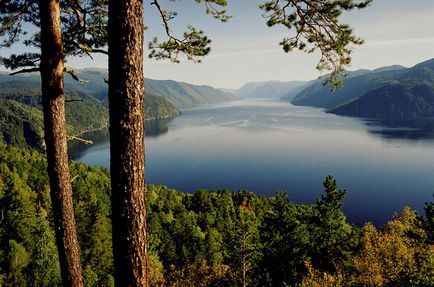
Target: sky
245,49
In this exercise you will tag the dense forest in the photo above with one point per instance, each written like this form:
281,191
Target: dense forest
208,238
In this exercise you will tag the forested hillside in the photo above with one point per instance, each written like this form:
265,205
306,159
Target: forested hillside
388,92
406,99
355,85
184,95
208,238
181,95
21,120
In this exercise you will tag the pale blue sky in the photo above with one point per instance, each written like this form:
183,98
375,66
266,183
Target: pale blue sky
245,49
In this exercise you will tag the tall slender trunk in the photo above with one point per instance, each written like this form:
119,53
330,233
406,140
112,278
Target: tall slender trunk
56,142
126,99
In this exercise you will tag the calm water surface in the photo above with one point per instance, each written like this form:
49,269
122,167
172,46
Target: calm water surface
266,145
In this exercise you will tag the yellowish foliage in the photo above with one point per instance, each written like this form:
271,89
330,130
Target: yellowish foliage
316,278
198,275
392,256
155,271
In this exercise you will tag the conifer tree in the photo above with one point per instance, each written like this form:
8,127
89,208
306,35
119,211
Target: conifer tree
78,37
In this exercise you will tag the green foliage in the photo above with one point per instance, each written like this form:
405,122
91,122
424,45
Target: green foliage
207,238
316,26
194,44
83,25
157,107
333,236
429,220
21,125
397,255
18,260
21,118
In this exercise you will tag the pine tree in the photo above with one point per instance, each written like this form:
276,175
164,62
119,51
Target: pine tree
54,46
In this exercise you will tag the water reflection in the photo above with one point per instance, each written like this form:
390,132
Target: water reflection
77,148
402,129
100,138
267,145
155,128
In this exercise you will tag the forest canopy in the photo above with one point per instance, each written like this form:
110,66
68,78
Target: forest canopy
209,238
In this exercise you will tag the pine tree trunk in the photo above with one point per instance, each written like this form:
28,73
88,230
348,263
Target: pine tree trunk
56,142
126,101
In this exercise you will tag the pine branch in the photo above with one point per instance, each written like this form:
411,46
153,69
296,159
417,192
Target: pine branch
73,100
72,73
29,70
80,140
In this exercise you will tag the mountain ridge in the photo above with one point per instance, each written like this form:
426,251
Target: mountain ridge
362,93
268,89
21,111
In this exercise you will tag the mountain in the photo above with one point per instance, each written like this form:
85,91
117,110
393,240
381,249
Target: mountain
184,95
21,125
406,99
87,108
181,95
226,90
385,93
21,119
356,84
157,108
270,89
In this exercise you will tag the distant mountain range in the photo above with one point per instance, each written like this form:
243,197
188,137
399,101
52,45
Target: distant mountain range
384,93
270,89
21,121
388,92
405,99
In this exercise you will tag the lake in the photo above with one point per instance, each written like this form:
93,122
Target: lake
267,145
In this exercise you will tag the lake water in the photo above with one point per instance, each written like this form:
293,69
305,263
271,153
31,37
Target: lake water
269,145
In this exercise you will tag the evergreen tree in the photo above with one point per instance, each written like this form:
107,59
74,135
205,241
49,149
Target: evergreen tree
46,15
429,213
331,232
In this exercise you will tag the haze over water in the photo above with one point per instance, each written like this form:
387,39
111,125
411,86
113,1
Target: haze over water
266,145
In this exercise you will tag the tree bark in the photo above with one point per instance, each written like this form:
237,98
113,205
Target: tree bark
126,102
56,142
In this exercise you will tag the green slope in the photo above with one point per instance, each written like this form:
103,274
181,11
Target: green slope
21,112
20,124
406,99
355,85
157,108
184,95
388,92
